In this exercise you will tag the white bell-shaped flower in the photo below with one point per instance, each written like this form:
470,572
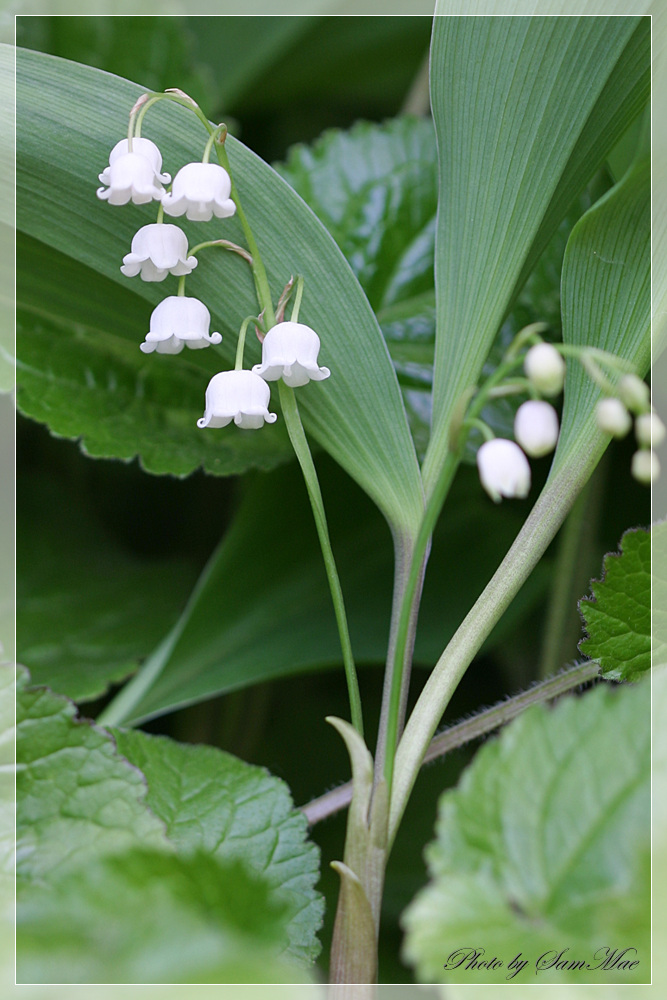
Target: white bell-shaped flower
158,250
536,427
200,191
650,430
503,469
133,176
179,321
240,396
145,148
645,466
289,352
545,368
612,417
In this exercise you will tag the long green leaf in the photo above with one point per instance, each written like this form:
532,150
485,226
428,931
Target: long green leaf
525,110
357,415
606,302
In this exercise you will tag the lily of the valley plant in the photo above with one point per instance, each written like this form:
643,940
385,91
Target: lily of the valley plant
532,365
528,112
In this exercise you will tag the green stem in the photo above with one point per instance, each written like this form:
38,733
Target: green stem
160,213
300,444
238,364
216,135
393,708
538,531
258,269
481,426
473,728
294,317
181,284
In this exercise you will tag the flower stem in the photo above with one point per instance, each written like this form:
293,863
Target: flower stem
539,529
294,317
181,284
218,134
300,444
393,708
238,365
160,213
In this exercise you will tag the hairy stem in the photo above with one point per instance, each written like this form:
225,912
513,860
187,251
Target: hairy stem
463,732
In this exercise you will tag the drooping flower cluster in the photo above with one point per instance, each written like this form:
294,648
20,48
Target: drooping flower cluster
201,191
614,415
503,467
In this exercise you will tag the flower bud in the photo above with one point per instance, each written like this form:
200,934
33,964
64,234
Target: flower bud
503,469
612,417
536,427
649,430
645,466
635,393
545,368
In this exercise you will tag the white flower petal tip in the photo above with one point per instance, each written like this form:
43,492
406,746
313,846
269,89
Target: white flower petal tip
645,466
536,427
612,417
240,396
649,430
158,250
545,368
200,191
179,321
145,148
131,177
289,352
503,469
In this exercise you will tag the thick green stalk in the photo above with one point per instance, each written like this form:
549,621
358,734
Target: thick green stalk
538,531
300,444
470,729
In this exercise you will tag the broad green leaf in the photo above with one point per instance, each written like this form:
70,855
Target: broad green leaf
357,414
87,611
544,845
617,618
525,110
245,626
78,798
211,801
147,917
606,298
375,189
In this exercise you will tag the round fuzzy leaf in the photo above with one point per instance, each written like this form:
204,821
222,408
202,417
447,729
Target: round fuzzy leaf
212,802
544,847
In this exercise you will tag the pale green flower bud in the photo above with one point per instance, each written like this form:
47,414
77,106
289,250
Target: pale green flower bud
649,430
545,368
612,417
635,393
645,466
